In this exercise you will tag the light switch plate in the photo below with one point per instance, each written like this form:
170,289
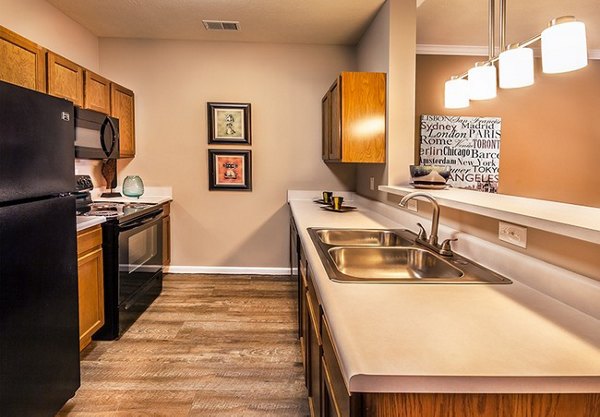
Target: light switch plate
513,234
412,205
372,183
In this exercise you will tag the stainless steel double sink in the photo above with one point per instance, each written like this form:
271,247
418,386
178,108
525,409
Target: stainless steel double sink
392,256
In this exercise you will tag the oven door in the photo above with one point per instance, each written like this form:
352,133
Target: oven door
140,255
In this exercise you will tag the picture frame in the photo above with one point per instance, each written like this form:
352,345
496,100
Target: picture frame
229,123
229,170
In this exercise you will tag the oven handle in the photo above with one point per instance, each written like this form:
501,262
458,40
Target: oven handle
140,222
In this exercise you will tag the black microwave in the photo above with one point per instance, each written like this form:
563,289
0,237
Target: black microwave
96,135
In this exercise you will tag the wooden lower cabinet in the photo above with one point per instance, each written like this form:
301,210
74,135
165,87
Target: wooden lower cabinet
91,284
166,227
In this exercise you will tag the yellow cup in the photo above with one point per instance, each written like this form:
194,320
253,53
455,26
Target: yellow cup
337,202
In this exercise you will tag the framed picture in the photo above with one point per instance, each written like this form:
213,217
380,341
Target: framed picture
229,123
229,170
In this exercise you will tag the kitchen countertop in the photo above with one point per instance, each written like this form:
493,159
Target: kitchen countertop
85,222
449,337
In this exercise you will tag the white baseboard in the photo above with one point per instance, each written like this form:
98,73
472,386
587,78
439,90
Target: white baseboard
229,270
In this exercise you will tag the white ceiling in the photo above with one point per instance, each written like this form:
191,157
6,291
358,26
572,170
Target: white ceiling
339,22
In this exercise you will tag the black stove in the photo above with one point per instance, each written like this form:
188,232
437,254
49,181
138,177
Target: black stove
132,255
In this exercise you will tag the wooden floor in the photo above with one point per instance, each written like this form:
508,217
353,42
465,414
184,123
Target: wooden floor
208,346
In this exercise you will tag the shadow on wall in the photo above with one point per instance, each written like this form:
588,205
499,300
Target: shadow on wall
344,173
269,237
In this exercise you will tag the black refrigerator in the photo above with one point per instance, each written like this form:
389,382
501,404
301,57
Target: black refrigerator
39,319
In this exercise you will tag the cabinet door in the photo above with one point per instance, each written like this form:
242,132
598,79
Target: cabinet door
326,125
314,390
335,152
305,327
96,92
123,108
91,295
22,62
166,240
91,283
65,79
330,406
363,103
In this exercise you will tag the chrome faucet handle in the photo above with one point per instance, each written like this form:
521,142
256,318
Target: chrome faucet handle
422,233
446,247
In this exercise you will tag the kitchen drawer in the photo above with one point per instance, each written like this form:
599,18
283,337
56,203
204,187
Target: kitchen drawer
89,239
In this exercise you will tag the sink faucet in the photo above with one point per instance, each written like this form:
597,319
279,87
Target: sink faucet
431,242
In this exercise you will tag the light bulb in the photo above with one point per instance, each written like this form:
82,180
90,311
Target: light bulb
482,81
516,68
456,94
564,46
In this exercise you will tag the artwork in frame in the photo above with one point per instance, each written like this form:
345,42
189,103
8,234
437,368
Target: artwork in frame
229,170
229,123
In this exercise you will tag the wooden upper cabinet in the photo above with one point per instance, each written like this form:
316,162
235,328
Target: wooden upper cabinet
123,108
356,118
96,92
22,62
65,79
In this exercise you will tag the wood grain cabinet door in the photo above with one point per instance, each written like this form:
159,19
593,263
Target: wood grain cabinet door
363,104
123,107
22,62
335,148
65,79
96,92
166,240
90,274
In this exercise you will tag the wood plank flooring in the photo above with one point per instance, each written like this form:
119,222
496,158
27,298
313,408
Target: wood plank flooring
208,346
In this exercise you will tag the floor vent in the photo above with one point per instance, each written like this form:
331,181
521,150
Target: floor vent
221,25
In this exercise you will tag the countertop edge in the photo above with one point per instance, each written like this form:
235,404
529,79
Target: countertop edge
89,222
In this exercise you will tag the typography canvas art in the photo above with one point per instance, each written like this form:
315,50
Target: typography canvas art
469,146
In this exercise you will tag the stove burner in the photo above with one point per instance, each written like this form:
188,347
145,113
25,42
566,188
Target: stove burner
117,210
105,213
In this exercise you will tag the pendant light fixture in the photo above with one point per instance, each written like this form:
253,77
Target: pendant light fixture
456,93
482,81
564,49
516,67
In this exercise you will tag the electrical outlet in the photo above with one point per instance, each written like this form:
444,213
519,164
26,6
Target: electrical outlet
372,183
513,234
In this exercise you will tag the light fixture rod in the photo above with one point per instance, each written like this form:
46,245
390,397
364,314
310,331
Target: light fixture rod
502,25
491,28
529,41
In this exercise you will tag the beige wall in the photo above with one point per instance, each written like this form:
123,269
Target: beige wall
44,24
389,46
173,81
550,146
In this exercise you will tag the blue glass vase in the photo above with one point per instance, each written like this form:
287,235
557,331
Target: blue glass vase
133,186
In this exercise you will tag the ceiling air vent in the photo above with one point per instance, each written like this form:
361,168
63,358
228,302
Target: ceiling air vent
221,25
